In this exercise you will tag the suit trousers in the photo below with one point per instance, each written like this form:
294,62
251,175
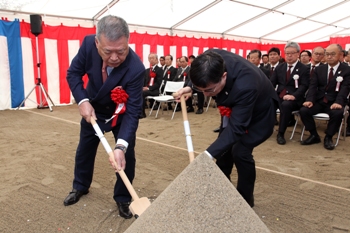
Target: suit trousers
85,160
286,109
335,117
241,156
149,93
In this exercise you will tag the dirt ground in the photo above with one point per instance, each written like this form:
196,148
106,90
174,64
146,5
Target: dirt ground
298,188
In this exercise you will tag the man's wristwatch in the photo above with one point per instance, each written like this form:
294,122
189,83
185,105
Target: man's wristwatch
120,147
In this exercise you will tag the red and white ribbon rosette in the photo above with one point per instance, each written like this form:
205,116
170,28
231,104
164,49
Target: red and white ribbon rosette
296,77
185,74
151,81
339,80
225,111
119,97
168,74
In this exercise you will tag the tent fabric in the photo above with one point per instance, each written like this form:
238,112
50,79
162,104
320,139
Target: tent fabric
262,21
57,46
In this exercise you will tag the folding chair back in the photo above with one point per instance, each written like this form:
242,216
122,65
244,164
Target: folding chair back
172,86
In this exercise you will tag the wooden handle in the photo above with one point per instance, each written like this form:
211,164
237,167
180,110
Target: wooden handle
111,156
187,128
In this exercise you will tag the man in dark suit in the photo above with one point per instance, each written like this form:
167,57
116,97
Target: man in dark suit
316,58
248,104
265,61
292,81
254,58
168,75
183,74
109,63
153,81
327,93
274,58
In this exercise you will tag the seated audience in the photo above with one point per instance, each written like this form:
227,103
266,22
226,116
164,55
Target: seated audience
292,81
327,93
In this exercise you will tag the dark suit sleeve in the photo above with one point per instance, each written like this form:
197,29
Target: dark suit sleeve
239,121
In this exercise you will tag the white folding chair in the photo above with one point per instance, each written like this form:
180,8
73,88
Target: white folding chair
325,117
170,87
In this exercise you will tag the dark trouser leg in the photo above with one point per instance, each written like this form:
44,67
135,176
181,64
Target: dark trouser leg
200,97
335,118
121,193
287,107
245,165
85,157
306,115
225,163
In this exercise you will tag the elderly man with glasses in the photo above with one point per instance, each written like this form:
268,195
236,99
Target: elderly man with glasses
247,103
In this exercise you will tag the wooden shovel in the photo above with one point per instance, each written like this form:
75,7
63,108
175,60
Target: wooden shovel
138,205
186,126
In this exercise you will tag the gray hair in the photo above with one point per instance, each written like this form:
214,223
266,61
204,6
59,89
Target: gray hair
293,45
112,27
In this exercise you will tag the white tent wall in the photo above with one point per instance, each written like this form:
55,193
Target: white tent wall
247,20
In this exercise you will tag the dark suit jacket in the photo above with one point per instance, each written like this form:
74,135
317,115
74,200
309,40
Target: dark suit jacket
279,78
180,75
157,81
129,75
253,100
265,70
172,75
318,85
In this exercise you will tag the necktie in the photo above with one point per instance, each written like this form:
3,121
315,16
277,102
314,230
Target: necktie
312,70
165,71
330,77
271,71
284,91
104,72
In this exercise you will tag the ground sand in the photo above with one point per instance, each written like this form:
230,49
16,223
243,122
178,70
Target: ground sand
298,188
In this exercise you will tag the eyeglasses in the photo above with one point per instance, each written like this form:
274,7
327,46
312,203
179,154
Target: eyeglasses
330,54
291,54
211,90
319,54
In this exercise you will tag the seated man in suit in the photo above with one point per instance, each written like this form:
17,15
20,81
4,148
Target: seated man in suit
168,75
274,57
254,58
265,62
316,58
327,93
292,81
111,66
183,74
305,57
153,80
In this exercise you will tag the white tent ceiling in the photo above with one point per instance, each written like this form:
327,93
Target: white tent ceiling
260,20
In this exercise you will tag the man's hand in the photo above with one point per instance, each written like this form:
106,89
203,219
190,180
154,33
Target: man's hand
86,111
288,97
119,157
308,104
336,106
145,88
177,95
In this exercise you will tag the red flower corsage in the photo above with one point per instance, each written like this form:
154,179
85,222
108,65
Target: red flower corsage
119,97
225,111
152,74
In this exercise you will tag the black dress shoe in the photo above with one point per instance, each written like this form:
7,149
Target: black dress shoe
280,139
217,130
74,196
328,143
276,122
143,115
199,111
312,139
190,109
124,210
